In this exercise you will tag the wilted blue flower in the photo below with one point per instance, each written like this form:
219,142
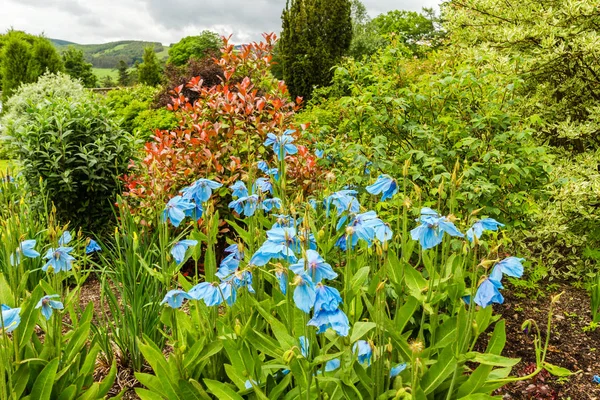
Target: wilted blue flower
315,265
486,224
179,249
304,294
174,298
336,320
282,145
596,379
25,248
281,243
176,210
65,238
10,318
511,266
364,351
326,298
395,371
386,185
343,200
47,305
488,293
239,189
263,185
200,191
59,259
431,231
304,345
92,247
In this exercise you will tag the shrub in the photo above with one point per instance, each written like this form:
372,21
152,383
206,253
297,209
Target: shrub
134,105
76,149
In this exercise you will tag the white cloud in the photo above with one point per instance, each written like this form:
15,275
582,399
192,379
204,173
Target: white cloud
100,21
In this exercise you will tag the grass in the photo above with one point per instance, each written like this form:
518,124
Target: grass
101,73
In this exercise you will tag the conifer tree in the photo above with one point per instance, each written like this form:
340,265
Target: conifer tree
77,67
149,70
123,73
17,65
315,35
45,58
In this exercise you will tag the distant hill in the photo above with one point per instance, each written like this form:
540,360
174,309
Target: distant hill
108,55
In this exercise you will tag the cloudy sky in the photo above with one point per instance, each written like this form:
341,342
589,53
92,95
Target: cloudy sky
166,21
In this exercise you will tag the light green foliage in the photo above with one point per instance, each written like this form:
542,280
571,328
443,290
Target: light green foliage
387,111
553,45
76,149
200,46
149,71
78,68
134,106
315,35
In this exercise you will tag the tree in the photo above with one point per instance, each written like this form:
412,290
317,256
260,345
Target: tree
17,65
417,31
315,35
123,73
45,58
366,40
200,46
78,68
149,71
108,82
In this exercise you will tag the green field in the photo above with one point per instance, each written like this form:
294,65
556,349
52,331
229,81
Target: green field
101,73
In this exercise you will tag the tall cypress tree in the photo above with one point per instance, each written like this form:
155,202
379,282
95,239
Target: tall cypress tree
123,73
315,35
17,65
149,70
46,58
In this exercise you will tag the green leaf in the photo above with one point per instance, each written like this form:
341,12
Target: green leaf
42,388
359,279
360,329
556,370
492,359
438,372
147,394
221,390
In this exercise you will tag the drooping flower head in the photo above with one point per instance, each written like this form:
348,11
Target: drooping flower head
281,243
10,318
304,294
65,238
26,248
431,231
395,371
47,305
59,259
336,320
262,185
92,247
239,189
179,249
511,266
200,191
314,266
385,185
486,224
364,351
176,210
174,298
488,293
326,298
264,167
282,145
342,200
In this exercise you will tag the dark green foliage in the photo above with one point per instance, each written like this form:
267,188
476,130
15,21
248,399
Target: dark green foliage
46,59
107,55
315,35
76,152
78,68
201,46
123,73
149,71
108,82
134,105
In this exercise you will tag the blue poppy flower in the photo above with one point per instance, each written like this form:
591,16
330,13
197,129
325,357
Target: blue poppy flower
343,200
207,292
304,294
385,185
229,291
336,320
174,298
431,231
316,267
47,305
282,277
59,259
92,247
596,379
511,266
332,365
10,318
281,243
367,170
269,204
245,205
365,226
486,224
264,167
284,221
176,210
239,189
326,298
488,293
200,191
395,371
319,153
364,351
304,346
65,238
263,185
282,145
179,249
307,239
25,248
228,266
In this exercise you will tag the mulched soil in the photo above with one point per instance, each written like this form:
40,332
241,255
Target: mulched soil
570,347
